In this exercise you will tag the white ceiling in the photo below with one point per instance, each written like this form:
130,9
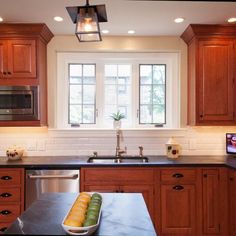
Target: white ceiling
145,17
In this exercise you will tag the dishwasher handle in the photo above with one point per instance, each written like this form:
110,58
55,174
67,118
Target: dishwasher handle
74,176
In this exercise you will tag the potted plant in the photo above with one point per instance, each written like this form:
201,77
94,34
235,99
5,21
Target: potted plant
117,117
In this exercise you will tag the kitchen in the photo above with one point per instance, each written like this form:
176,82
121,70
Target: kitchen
198,143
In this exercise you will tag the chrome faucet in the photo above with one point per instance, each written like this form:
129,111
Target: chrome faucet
119,151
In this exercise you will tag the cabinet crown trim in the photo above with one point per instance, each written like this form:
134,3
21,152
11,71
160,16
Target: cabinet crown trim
209,30
26,30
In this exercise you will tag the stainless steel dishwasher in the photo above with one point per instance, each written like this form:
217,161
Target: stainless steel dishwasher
44,181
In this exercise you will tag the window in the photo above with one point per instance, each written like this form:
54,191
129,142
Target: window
81,108
152,90
117,91
142,86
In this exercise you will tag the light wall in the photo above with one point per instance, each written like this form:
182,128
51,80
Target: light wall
116,44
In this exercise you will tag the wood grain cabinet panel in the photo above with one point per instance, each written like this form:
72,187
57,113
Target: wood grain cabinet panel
215,204
232,202
120,180
178,209
22,58
11,195
211,73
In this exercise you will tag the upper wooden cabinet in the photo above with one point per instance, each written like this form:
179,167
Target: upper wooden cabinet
211,72
18,58
23,62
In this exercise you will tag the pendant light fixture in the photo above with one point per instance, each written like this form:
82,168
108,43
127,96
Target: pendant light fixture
87,20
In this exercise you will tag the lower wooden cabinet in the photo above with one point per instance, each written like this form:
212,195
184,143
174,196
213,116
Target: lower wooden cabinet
11,195
182,201
177,201
232,202
178,209
120,180
214,201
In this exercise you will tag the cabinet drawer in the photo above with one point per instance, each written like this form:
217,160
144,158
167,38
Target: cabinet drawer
178,175
4,226
10,194
118,175
9,212
10,177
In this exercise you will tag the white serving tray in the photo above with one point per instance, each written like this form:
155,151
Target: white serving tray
72,230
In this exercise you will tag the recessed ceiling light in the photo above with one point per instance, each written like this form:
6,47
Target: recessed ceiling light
232,20
58,18
105,31
1,19
179,20
131,32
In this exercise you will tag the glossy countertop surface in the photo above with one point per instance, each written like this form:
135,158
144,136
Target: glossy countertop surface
81,161
122,214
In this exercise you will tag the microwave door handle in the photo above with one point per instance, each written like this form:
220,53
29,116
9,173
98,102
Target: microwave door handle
74,176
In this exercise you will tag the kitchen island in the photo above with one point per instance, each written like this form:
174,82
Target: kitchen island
122,214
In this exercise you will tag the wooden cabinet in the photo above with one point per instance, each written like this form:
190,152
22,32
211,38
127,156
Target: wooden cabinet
211,72
232,202
18,58
23,62
214,201
11,195
177,209
120,180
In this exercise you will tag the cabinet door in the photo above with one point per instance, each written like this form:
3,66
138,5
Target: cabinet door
3,58
21,58
232,202
215,87
178,209
215,201
147,192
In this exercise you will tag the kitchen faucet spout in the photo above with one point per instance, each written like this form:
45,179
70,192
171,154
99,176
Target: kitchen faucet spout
119,151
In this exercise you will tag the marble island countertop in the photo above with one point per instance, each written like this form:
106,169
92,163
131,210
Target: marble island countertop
81,161
122,214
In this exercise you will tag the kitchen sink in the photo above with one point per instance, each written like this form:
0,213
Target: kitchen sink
112,159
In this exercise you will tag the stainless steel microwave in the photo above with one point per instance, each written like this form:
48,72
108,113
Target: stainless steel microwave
19,103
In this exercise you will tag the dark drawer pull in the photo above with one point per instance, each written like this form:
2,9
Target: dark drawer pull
178,187
3,229
5,212
231,179
177,175
6,195
6,177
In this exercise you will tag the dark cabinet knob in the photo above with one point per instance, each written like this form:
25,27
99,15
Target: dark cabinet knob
231,179
9,73
201,116
177,175
117,191
5,212
4,73
178,187
3,229
5,195
6,177
205,175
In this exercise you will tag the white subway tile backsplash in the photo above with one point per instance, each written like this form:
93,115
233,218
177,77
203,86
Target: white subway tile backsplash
193,141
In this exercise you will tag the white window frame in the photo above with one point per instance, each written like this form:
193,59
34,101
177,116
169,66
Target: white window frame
171,59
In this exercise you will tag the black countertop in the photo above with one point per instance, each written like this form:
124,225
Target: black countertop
122,214
70,162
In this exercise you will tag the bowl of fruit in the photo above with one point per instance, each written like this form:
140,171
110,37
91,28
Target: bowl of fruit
83,218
